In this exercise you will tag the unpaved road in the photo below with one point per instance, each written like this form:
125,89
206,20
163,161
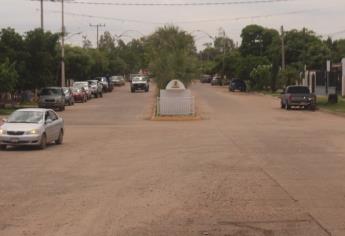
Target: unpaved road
248,168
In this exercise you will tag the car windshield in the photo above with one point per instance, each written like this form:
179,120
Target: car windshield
298,89
138,79
26,117
50,91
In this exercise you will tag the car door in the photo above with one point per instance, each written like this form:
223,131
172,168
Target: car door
55,125
49,128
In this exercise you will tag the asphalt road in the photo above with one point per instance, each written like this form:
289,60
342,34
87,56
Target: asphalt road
248,168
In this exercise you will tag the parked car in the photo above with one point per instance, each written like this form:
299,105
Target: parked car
32,127
69,99
206,79
216,80
118,80
110,84
298,96
96,88
139,83
79,94
52,97
237,85
85,85
104,82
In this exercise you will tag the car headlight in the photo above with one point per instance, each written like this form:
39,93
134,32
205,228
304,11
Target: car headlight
2,132
32,132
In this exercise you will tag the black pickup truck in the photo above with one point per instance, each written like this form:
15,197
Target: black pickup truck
298,96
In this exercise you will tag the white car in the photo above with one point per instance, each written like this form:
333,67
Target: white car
140,83
32,127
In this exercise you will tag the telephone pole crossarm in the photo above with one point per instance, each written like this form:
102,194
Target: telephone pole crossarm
97,28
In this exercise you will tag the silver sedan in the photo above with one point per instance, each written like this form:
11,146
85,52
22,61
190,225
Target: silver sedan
32,127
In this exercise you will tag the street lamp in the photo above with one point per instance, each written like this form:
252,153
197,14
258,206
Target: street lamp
72,35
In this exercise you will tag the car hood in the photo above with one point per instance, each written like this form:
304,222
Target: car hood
20,126
138,82
50,97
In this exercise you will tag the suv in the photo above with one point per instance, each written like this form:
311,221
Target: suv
237,85
139,83
298,96
52,97
96,88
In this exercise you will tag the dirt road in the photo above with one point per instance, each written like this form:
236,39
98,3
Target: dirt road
248,168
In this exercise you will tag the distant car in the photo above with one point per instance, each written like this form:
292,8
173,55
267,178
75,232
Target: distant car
216,81
52,97
298,96
85,85
69,99
96,88
104,82
118,80
139,83
79,94
206,79
32,127
237,85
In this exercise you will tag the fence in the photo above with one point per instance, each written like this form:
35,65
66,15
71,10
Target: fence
175,106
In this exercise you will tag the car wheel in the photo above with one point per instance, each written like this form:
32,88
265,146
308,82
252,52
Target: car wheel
3,147
132,90
312,107
43,143
62,108
60,138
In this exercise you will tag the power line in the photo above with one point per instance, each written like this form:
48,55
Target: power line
221,3
184,22
246,17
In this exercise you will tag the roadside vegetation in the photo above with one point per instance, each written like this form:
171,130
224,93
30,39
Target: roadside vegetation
32,60
322,102
258,59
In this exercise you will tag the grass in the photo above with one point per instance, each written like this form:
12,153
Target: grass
274,94
7,111
322,102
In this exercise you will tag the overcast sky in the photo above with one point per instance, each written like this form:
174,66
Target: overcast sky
323,16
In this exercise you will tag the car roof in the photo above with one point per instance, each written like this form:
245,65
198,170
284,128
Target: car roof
34,109
51,88
291,86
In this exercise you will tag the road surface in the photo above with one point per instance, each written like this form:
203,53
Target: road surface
248,168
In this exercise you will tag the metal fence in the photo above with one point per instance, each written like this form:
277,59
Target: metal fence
175,106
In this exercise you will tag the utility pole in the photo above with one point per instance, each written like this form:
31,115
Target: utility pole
97,27
62,45
42,25
283,48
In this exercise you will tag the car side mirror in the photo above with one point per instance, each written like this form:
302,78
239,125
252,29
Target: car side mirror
49,121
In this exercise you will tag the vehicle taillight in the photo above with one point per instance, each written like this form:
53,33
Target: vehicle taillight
290,97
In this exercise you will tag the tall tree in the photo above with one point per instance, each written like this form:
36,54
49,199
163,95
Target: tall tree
172,55
43,59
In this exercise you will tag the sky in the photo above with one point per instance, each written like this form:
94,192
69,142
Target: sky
325,17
